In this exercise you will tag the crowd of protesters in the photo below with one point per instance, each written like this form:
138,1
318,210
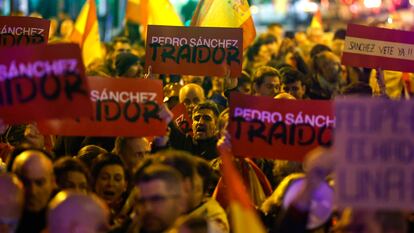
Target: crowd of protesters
173,183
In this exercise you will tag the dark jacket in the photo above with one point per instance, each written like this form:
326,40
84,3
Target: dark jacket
205,149
32,222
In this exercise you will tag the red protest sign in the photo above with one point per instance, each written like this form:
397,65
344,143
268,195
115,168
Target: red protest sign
17,30
194,50
122,107
278,129
181,118
373,47
42,82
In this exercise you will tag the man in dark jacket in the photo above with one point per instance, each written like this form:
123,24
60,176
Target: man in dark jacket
205,133
35,169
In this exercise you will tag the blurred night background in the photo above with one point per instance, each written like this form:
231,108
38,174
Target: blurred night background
294,15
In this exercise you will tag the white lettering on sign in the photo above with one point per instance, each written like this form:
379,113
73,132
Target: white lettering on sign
193,42
21,30
122,96
289,118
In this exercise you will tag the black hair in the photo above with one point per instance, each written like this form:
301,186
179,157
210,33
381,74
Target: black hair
159,171
180,160
64,165
263,39
107,159
124,61
105,142
243,79
290,75
317,49
263,72
207,105
88,153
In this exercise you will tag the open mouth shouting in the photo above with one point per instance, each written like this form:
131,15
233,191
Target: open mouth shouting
109,194
201,130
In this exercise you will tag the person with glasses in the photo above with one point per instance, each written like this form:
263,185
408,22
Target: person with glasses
161,198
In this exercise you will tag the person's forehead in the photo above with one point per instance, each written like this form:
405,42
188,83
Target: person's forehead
295,83
35,174
112,168
137,141
153,187
36,169
271,79
204,112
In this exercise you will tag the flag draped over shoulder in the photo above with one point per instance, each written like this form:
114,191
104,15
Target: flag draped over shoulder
154,12
226,13
244,218
86,33
316,20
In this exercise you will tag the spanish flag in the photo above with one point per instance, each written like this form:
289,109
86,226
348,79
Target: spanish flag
243,216
226,13
316,20
153,12
86,33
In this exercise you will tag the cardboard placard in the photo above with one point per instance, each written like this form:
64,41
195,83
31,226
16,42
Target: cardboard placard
18,30
374,151
373,47
278,129
42,82
194,50
181,118
122,107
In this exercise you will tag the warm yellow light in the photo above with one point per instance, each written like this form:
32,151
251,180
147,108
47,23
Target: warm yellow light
372,3
310,7
254,9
